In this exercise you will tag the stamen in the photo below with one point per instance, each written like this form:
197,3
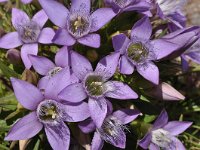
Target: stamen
49,112
29,32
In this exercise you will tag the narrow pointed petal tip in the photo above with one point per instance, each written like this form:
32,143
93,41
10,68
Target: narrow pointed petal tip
108,65
100,17
162,120
120,43
126,115
50,7
149,71
10,40
25,128
27,94
98,110
142,29
40,18
80,65
121,91
58,136
177,127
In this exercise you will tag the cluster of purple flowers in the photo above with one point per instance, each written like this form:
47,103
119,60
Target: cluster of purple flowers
71,90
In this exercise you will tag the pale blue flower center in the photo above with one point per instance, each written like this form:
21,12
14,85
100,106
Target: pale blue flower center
94,85
162,138
137,52
29,32
48,111
79,24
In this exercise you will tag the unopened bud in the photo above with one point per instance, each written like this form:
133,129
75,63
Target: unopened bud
92,55
164,91
13,55
30,76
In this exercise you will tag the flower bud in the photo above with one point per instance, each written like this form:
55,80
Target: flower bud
92,55
30,76
13,55
164,91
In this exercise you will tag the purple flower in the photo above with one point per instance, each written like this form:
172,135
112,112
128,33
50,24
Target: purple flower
192,54
170,10
128,5
112,130
163,134
96,85
47,112
139,52
48,69
28,34
77,23
184,38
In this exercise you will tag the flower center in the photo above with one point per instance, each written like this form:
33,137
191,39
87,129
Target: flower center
79,25
162,138
48,111
94,85
29,32
111,130
54,71
121,3
137,52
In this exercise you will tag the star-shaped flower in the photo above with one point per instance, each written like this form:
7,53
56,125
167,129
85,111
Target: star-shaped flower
47,111
163,134
29,33
96,85
77,24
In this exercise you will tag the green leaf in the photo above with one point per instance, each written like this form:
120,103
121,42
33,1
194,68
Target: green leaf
149,118
8,102
2,147
6,71
3,126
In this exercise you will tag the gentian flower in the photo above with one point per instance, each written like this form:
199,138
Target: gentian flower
128,5
170,10
77,23
48,69
29,33
95,85
139,52
163,134
192,54
112,130
47,111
